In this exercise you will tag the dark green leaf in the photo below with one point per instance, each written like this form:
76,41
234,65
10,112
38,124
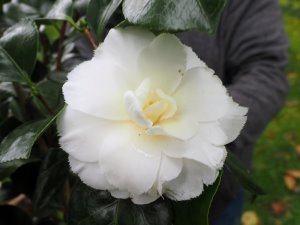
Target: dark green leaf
7,168
52,33
61,10
59,76
9,70
6,90
21,43
7,125
50,183
2,2
3,109
174,15
18,143
93,207
17,11
98,14
17,110
196,211
52,93
42,7
242,174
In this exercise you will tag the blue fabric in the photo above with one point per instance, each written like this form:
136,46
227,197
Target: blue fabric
233,211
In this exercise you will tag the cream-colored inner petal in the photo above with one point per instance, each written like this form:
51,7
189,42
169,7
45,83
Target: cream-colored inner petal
148,106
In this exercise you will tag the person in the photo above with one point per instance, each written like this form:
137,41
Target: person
249,53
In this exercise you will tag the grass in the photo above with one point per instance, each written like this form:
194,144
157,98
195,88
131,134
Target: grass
276,152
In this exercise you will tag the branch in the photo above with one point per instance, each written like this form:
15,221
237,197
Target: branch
61,46
90,37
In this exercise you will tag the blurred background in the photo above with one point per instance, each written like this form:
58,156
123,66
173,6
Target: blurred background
277,155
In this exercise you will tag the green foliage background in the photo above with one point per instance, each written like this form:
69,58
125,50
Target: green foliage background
276,150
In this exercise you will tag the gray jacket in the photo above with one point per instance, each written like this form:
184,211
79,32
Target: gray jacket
249,54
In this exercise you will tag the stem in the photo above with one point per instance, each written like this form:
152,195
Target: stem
61,46
44,102
72,22
46,46
22,101
42,145
36,92
21,98
90,37
20,93
66,197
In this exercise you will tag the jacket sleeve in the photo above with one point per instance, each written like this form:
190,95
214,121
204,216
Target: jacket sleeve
255,53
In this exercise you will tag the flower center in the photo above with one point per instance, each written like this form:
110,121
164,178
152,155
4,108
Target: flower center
159,106
147,106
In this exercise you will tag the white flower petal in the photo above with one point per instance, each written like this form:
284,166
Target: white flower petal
233,121
201,95
142,92
192,59
232,126
134,109
127,164
227,128
181,127
169,169
208,174
189,183
212,133
123,46
235,109
144,198
97,88
164,61
201,151
81,135
120,193
90,173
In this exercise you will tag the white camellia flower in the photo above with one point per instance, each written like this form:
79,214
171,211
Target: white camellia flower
145,117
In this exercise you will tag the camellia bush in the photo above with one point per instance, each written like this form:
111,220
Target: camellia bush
134,136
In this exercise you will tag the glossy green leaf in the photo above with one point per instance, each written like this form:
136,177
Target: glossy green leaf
21,43
242,174
52,93
17,11
49,187
92,207
98,14
52,33
17,110
9,70
18,143
7,90
3,109
196,211
61,10
174,15
7,125
2,2
42,7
